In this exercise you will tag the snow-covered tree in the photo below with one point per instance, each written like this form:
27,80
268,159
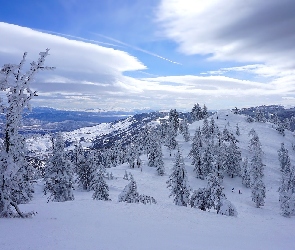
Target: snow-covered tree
280,128
232,159
215,191
99,185
259,116
15,183
178,182
170,140
212,127
174,119
208,159
196,154
206,130
205,111
183,128
245,173
200,199
154,151
196,113
227,208
59,173
256,170
287,187
130,194
238,130
85,169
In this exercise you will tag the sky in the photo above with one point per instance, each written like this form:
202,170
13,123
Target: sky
156,54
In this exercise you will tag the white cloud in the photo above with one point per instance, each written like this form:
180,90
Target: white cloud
91,76
245,31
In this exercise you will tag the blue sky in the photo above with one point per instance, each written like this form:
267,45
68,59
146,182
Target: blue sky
156,54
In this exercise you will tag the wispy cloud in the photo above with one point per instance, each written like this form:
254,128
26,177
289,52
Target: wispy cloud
243,31
137,48
78,38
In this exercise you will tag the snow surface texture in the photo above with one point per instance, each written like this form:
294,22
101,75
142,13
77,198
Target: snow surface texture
90,224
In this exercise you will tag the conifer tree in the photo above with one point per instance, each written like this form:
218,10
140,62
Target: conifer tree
174,120
245,173
205,111
196,154
99,185
59,173
196,113
238,130
215,191
178,182
256,172
85,168
155,155
287,187
212,127
183,128
205,129
208,159
170,141
232,159
129,193
15,183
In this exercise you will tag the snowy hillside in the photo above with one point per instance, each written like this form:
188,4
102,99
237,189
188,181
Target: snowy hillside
89,224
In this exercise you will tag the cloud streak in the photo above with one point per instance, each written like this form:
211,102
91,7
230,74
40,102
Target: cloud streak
137,48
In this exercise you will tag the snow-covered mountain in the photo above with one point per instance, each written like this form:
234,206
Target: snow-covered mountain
89,224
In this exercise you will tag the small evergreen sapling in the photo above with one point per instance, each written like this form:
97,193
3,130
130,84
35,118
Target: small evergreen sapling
130,194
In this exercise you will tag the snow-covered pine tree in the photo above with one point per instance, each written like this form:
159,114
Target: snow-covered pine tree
14,172
205,129
85,168
245,173
208,159
174,119
170,141
212,127
280,128
129,193
178,182
232,159
284,159
259,116
99,185
227,208
205,111
287,187
200,199
256,170
131,155
196,113
215,191
196,154
155,155
59,173
183,128
238,130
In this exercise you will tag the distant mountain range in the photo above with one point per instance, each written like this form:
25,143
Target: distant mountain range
43,119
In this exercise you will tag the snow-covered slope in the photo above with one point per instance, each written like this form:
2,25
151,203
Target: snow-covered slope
89,224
